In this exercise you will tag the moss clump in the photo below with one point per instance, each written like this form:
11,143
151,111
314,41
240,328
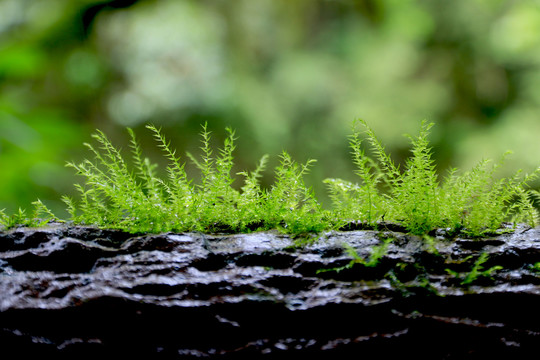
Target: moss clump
116,196
473,201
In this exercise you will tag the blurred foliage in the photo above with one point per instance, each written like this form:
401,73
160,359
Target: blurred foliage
287,75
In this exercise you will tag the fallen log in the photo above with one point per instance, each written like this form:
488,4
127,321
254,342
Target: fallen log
73,291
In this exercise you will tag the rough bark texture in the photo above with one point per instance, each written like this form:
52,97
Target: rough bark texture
74,292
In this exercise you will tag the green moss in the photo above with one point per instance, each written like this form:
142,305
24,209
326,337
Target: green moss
474,201
477,270
377,253
137,200
133,197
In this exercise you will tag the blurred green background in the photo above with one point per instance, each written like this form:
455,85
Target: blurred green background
286,74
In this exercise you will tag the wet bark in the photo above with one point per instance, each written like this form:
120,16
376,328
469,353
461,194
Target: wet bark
69,291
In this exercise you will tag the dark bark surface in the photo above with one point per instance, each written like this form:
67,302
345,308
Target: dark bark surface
79,292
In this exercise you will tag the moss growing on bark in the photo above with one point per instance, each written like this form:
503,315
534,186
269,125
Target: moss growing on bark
130,195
